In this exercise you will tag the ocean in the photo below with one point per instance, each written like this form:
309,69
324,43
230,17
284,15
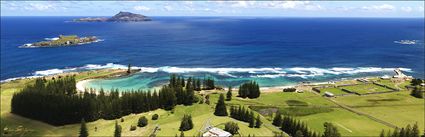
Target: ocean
274,51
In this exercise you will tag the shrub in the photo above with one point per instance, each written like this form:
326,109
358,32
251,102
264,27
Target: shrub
289,89
231,127
155,116
132,128
143,121
122,119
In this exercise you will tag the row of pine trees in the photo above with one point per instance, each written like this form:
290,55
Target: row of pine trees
293,127
249,90
57,102
246,115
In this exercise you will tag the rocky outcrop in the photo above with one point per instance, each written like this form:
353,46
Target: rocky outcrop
120,17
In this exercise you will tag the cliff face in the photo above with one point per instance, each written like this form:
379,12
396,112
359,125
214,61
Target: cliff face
120,17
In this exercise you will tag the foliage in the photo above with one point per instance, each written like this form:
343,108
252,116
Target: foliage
155,117
231,127
243,114
57,102
186,123
229,94
258,122
117,132
330,130
407,131
250,89
208,83
277,120
289,89
220,108
291,126
418,92
83,129
132,128
416,82
143,121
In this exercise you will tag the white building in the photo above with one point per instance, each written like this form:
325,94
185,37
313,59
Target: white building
216,132
329,94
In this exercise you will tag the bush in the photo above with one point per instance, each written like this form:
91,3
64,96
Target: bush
155,117
143,121
122,119
289,89
231,127
132,128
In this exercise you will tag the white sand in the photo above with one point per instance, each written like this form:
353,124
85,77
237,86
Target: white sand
80,85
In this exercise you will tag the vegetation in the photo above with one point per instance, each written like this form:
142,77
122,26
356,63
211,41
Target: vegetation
277,120
186,123
245,115
155,117
416,82
229,94
83,129
407,131
118,129
209,83
220,108
289,89
250,90
418,92
231,127
143,121
57,103
330,130
292,126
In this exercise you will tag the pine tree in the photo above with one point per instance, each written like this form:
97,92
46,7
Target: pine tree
181,134
229,94
252,120
330,130
258,122
382,133
83,129
220,108
277,120
231,127
117,132
299,133
417,92
415,130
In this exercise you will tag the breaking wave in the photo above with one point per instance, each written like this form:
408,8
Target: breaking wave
303,72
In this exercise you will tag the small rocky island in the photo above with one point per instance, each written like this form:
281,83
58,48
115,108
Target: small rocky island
120,17
62,40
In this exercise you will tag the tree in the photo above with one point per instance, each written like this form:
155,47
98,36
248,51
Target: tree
418,92
231,127
181,134
83,129
155,116
258,122
220,108
117,132
277,120
251,120
229,94
299,133
186,123
143,121
415,130
382,133
249,89
129,69
330,130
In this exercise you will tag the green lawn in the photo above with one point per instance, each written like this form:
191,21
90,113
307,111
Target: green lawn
398,108
335,91
366,88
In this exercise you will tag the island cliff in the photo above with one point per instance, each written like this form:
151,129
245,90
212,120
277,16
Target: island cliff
120,17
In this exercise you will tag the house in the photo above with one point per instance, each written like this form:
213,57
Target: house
216,132
385,77
329,94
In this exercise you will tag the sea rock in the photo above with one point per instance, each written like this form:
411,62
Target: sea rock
120,17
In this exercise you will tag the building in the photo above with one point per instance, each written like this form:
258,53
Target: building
329,94
385,77
216,132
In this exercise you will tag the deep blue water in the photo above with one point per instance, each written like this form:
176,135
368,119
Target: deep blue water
219,42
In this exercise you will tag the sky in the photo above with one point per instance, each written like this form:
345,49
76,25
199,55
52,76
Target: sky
217,8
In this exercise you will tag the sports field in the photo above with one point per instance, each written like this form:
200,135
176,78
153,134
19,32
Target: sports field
366,88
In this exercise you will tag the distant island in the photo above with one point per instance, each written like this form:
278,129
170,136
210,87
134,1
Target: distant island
120,17
62,40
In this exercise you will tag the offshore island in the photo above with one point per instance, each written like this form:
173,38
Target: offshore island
119,17
62,40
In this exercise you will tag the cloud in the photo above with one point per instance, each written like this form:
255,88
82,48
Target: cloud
293,5
141,8
39,6
421,9
383,7
406,9
168,8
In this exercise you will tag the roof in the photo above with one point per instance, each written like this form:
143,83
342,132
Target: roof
329,93
216,132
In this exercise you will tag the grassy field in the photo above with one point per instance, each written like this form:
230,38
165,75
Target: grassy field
398,108
335,91
366,88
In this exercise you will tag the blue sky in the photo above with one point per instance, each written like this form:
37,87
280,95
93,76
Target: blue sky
217,8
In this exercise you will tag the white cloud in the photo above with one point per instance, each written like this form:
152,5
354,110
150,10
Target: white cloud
383,7
168,8
406,9
141,8
294,5
421,9
39,6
